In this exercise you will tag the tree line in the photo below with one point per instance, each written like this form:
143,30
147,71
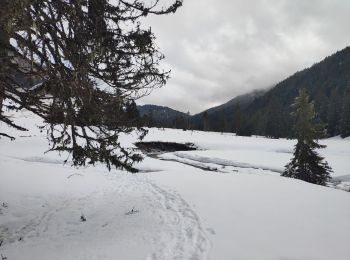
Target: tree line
276,122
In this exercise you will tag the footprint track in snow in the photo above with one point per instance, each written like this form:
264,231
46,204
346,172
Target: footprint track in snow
178,235
188,240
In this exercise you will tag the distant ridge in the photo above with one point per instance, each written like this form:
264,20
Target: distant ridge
225,111
162,116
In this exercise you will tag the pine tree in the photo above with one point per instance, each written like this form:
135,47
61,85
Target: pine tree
150,121
93,57
133,114
205,121
220,124
345,117
237,119
274,121
306,163
333,115
188,121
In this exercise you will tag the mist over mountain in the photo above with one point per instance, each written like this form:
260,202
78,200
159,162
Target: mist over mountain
268,112
328,85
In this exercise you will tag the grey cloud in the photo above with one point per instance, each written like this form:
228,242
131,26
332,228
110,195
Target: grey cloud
220,49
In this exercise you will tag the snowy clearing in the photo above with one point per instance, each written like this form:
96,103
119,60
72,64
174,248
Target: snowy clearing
239,208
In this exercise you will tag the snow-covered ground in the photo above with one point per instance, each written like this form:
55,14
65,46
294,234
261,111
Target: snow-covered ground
224,201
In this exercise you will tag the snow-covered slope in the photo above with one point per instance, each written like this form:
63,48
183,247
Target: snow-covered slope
240,209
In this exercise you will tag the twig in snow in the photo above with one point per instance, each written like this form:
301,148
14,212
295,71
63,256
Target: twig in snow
82,218
132,211
74,174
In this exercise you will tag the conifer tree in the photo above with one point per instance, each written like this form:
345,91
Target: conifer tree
333,115
237,119
307,164
94,59
345,117
188,121
205,121
274,122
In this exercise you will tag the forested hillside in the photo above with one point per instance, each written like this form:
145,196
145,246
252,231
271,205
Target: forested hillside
269,114
226,117
159,116
327,83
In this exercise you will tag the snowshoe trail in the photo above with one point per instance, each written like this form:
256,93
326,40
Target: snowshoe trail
184,238
131,210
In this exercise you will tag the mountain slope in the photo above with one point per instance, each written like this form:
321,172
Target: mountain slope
327,83
269,114
220,115
161,116
242,100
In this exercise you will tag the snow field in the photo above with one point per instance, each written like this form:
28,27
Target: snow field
224,201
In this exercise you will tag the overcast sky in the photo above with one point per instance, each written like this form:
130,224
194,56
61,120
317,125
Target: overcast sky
218,49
